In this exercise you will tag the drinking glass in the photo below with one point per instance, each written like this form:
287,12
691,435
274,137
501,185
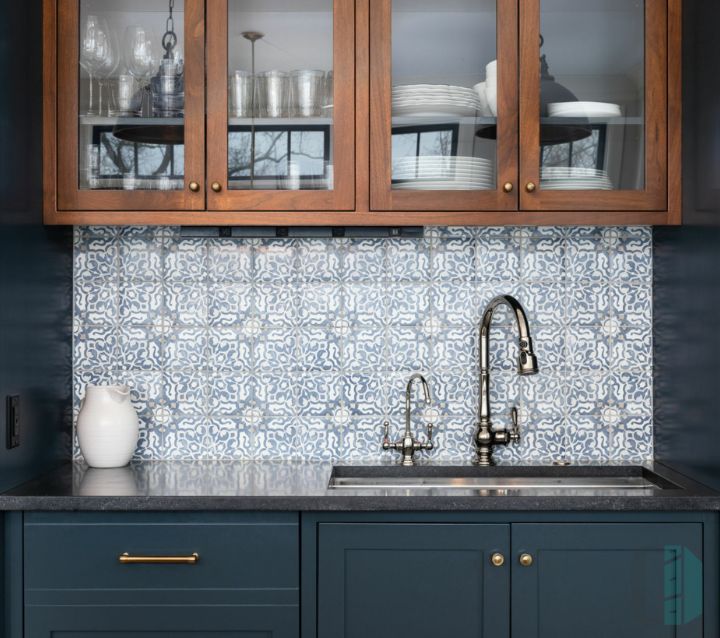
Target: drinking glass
108,53
142,57
274,85
307,91
90,49
241,98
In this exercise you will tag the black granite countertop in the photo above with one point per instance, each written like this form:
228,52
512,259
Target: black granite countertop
293,486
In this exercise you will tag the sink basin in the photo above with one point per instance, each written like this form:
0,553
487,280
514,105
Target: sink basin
520,480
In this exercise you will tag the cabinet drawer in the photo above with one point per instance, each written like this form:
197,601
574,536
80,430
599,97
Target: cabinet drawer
80,551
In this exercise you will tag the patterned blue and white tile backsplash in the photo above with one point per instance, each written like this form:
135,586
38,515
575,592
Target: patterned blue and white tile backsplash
253,349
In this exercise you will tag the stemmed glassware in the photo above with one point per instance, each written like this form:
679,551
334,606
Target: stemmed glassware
109,56
142,58
94,42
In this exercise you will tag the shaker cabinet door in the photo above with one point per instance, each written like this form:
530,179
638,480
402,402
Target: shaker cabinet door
130,105
412,581
281,106
147,621
594,105
443,86
594,580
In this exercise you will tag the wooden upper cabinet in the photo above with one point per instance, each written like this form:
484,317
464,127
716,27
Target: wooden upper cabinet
289,145
121,144
594,109
443,137
362,112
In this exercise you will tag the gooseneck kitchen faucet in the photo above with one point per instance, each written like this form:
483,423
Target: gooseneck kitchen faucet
485,437
409,445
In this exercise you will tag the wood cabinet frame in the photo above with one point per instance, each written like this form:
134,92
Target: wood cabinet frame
69,195
342,197
654,197
382,196
363,196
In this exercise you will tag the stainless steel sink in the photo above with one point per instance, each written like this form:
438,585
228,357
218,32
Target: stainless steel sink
499,480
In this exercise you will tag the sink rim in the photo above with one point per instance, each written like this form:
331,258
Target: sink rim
445,478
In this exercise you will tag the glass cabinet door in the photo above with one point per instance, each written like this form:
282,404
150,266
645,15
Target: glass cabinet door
444,104
281,105
131,105
593,94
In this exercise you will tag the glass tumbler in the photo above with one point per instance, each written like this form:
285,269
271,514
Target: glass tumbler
275,88
240,90
307,88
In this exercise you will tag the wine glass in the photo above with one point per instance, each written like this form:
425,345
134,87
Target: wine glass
89,61
142,56
109,56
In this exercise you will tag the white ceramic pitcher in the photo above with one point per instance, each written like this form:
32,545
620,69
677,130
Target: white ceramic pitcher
107,426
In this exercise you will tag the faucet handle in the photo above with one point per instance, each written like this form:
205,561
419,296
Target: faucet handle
514,434
386,437
429,445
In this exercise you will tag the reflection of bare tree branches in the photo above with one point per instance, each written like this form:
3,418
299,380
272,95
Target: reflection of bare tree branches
240,160
443,143
114,153
115,148
274,150
304,153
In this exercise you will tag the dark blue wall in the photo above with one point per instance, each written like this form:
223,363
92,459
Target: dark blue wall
35,262
687,270
687,350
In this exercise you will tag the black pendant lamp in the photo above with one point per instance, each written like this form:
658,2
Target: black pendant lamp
552,130
157,134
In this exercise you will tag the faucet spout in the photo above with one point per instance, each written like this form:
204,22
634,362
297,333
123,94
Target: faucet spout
408,398
485,437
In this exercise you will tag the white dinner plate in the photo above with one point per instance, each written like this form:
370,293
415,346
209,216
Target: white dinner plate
419,110
444,187
584,109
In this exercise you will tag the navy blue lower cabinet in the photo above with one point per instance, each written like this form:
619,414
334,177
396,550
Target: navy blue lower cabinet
147,575
140,621
607,580
401,580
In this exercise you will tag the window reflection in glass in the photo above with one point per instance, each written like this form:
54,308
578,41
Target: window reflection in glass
280,154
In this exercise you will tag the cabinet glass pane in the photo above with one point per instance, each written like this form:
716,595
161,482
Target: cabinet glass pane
280,94
131,95
444,97
593,95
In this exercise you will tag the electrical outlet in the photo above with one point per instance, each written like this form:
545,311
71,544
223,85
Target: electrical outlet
12,422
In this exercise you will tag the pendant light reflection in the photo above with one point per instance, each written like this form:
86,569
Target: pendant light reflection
551,130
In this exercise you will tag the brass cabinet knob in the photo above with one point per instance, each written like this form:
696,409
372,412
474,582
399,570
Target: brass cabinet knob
508,187
497,559
216,186
530,187
526,560
194,187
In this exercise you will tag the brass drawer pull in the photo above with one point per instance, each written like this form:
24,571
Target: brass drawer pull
126,559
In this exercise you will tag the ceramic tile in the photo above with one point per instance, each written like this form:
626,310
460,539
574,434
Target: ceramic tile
241,349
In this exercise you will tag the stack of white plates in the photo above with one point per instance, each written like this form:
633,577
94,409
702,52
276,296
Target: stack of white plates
431,100
584,109
443,173
574,179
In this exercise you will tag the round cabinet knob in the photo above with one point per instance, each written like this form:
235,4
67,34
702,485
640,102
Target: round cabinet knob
497,559
508,187
217,187
194,187
530,187
526,560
